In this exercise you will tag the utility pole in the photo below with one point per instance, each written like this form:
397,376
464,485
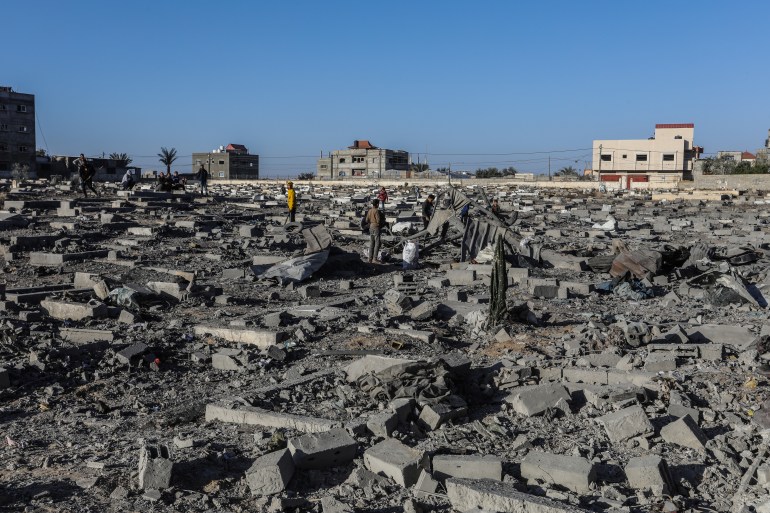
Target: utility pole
549,167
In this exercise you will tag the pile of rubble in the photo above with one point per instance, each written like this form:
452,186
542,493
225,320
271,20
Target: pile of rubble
173,352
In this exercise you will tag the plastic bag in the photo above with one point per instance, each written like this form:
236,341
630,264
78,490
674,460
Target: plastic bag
410,255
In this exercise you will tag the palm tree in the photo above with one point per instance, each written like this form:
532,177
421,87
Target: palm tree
167,157
567,171
121,159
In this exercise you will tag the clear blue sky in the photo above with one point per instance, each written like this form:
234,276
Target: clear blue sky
291,79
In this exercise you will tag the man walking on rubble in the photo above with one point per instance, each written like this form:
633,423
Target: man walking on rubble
203,176
374,219
86,173
291,200
427,211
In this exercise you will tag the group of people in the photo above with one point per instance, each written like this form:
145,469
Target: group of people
168,182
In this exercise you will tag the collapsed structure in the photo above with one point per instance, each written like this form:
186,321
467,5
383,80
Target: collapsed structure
199,354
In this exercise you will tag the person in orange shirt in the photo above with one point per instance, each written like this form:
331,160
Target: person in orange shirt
291,200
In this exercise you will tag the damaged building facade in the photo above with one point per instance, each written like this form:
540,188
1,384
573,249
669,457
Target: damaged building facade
231,162
17,130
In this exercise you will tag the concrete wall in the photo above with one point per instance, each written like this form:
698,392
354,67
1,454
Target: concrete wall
668,151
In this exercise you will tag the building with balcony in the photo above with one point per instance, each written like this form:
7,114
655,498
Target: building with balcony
364,160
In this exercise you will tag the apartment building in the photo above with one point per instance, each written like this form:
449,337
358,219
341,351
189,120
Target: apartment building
17,130
231,162
364,160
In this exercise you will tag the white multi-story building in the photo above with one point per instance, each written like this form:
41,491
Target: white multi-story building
669,154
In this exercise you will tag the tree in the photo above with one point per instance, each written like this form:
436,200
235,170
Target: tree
443,170
122,159
167,157
490,172
20,172
567,172
418,168
718,165
509,171
306,176
41,153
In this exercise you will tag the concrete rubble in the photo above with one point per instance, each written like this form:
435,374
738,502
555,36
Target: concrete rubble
166,351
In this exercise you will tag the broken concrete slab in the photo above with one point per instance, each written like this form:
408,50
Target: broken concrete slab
467,466
260,338
65,310
488,495
649,473
535,400
626,423
254,416
684,432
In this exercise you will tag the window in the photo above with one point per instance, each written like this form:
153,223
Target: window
625,156
21,108
22,128
342,160
221,174
358,160
606,157
641,157
198,162
3,127
23,149
324,166
677,137
668,157
221,162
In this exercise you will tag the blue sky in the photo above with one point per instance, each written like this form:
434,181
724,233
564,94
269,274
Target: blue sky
474,84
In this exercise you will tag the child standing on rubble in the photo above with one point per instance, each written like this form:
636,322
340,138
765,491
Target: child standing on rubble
291,200
427,211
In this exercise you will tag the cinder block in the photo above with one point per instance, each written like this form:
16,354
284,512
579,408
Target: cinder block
571,472
322,450
382,424
395,460
155,467
684,432
535,400
626,423
460,277
434,416
269,474
426,486
468,466
649,473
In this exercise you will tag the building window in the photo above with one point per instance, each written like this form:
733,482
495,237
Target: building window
668,157
324,166
3,127
641,157
21,108
221,162
22,128
342,160
198,162
625,156
221,174
357,160
606,157
23,149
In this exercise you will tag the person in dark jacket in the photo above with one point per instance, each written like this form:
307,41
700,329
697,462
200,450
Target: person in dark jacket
427,210
203,176
86,172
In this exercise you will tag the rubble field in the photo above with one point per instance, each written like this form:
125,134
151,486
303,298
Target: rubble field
577,351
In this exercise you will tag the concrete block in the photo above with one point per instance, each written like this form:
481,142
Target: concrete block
423,311
546,291
535,400
260,338
382,424
269,474
332,505
309,291
626,423
226,362
373,364
155,467
438,283
426,486
395,460
469,466
171,289
461,277
649,473
483,494
85,336
571,472
434,416
131,354
322,450
660,362
684,432
457,295
402,407
250,415
64,310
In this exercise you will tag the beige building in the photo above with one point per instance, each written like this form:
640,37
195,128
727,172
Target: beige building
233,162
668,154
364,160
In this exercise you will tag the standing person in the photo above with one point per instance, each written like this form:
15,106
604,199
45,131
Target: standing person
79,163
291,200
427,210
464,213
203,176
87,173
496,209
383,197
374,219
